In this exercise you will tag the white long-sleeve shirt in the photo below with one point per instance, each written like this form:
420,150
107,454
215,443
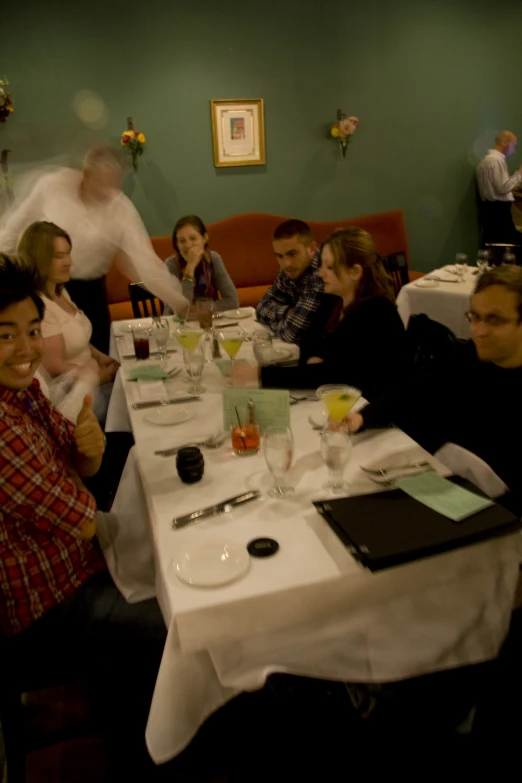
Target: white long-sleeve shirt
493,180
98,232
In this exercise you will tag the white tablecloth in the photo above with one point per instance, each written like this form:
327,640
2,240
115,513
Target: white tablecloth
310,609
446,304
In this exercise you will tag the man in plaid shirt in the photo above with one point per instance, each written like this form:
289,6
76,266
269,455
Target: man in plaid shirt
57,600
289,304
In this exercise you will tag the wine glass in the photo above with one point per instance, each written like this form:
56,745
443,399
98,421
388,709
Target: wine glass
194,363
160,331
508,257
204,309
483,258
232,340
278,447
461,265
336,449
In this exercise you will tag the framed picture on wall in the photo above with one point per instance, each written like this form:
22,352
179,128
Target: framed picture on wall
238,132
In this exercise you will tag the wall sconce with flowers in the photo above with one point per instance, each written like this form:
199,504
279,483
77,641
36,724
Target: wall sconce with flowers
6,102
133,142
343,130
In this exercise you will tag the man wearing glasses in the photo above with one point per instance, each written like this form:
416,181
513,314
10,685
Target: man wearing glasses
474,399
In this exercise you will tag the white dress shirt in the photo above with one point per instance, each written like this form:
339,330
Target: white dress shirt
98,232
494,182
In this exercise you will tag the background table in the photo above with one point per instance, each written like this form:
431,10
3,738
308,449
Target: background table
446,304
311,609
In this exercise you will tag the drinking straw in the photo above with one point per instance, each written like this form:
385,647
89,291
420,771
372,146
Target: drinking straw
240,426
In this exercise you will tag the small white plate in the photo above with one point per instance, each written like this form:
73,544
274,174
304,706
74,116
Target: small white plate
423,283
280,355
168,414
243,312
212,564
128,327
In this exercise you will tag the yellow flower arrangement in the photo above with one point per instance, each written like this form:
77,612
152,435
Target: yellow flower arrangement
134,143
6,102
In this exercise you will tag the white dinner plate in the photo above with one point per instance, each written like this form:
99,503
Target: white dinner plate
212,564
243,312
168,414
423,283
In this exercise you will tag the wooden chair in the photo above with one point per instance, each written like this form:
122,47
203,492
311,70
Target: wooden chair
397,267
143,300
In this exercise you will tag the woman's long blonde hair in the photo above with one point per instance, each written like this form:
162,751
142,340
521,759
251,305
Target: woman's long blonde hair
36,248
352,246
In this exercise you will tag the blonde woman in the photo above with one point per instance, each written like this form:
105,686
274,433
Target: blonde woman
66,329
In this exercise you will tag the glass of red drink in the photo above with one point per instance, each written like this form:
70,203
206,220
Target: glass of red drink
140,338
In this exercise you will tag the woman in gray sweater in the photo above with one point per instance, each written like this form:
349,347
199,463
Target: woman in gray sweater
201,271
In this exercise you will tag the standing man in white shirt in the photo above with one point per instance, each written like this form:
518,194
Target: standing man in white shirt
496,191
104,226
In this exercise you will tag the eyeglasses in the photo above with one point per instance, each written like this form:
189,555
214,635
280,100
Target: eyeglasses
495,321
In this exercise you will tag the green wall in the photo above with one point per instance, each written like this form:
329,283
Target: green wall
430,80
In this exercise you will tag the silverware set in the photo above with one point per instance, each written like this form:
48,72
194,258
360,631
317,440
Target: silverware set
169,376
217,509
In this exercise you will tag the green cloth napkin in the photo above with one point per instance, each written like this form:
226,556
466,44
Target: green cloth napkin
151,372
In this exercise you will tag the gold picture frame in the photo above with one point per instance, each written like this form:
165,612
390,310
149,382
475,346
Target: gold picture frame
238,132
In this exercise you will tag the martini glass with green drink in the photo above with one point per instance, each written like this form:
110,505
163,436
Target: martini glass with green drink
231,341
338,400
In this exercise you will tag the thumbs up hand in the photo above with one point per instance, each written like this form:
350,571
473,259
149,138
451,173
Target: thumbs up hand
90,440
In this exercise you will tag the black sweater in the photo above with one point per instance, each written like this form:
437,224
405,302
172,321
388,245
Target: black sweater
366,349
471,403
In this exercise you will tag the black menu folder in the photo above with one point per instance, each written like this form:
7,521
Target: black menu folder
389,528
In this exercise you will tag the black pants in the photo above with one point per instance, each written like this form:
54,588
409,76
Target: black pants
90,296
116,646
498,223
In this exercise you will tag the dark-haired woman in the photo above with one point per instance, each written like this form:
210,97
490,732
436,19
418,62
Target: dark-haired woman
201,271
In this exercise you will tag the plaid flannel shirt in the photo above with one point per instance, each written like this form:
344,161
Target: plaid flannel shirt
42,557
303,296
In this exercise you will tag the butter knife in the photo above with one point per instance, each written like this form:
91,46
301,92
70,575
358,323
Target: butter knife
152,354
219,508
158,403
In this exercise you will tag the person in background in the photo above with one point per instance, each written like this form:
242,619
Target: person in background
56,595
66,329
104,226
356,336
495,188
289,305
467,401
201,271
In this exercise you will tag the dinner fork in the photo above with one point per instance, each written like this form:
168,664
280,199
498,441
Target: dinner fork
384,471
214,442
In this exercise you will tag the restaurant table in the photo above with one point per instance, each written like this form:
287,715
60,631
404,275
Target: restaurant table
447,303
311,609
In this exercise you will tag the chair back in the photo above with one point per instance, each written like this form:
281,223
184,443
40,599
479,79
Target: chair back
429,342
466,464
142,301
397,268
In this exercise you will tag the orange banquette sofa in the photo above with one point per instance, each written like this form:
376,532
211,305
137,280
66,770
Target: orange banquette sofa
244,243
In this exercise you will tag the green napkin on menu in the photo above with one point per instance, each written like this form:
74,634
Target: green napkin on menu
443,496
150,372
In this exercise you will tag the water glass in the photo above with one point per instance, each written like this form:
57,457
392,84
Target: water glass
461,265
262,347
160,331
509,258
194,363
140,338
204,309
245,439
278,447
336,449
